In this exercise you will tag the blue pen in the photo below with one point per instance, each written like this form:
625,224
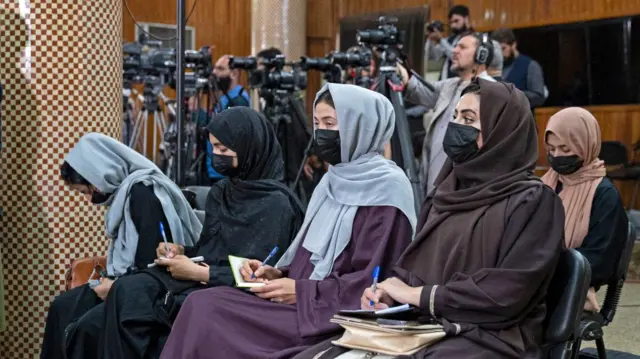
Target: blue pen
164,236
273,253
376,273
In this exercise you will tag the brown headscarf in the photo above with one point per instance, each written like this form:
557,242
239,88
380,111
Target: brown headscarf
506,161
579,130
503,167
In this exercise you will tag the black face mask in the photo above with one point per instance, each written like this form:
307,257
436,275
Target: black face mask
224,82
460,142
224,165
327,146
565,165
99,198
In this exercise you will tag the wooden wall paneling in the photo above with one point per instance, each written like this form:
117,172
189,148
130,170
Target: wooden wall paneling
321,21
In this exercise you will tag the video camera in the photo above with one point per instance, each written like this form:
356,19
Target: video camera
385,34
271,74
149,63
436,25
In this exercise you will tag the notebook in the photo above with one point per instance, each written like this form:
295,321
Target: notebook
400,310
236,265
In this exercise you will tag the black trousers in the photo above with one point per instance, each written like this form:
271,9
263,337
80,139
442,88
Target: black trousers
80,307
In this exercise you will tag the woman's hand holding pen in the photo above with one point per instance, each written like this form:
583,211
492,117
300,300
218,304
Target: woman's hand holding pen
183,268
260,272
281,290
380,299
401,292
174,250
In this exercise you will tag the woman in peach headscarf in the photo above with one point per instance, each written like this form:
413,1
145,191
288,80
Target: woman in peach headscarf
595,220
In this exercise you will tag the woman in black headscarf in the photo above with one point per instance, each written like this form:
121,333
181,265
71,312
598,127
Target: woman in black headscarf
247,215
489,236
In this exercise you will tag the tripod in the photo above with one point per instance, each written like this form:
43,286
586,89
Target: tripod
281,110
141,125
390,85
197,142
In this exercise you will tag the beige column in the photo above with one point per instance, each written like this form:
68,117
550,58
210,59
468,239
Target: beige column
60,68
281,24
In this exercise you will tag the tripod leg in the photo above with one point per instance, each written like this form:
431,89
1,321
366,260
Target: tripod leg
145,135
133,143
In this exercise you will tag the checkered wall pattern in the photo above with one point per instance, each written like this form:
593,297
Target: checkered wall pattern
75,88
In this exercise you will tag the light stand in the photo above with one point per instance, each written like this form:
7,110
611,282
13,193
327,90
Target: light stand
180,110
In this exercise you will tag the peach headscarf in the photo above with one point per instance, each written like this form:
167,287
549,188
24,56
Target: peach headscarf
579,130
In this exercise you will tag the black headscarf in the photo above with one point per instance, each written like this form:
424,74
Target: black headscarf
248,215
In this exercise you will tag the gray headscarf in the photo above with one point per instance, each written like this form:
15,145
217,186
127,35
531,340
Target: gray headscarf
112,167
363,178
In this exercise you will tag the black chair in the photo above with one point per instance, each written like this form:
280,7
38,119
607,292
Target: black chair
190,196
201,193
565,300
614,153
591,325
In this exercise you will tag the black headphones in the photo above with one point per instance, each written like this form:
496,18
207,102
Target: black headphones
484,52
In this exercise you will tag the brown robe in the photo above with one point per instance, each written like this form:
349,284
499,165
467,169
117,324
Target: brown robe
489,239
491,283
231,324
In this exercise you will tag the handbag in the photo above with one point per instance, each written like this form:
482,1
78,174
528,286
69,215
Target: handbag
371,337
82,270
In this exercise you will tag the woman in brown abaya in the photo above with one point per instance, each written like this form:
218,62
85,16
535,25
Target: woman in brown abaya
596,223
489,236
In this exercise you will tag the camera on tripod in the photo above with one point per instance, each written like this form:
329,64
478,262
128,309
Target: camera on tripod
271,75
386,33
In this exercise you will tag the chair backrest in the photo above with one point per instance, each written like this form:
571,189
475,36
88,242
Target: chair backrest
191,197
613,153
201,215
614,286
201,195
565,298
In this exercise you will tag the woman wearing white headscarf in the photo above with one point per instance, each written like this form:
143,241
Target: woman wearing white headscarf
138,197
361,216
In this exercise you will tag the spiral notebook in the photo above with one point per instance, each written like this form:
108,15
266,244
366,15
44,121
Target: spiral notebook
236,265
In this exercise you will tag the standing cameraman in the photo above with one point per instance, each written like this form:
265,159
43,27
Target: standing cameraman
231,94
470,58
438,47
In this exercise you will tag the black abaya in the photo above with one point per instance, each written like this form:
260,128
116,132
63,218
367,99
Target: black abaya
246,216
81,304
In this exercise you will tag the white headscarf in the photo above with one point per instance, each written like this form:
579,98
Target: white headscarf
363,178
112,167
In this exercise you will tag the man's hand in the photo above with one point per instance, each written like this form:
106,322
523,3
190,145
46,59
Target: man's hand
404,74
174,250
182,268
260,273
102,289
281,290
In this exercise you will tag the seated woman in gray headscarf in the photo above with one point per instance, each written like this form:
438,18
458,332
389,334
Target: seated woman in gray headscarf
360,216
138,198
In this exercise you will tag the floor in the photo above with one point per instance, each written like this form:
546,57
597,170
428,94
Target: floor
623,333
